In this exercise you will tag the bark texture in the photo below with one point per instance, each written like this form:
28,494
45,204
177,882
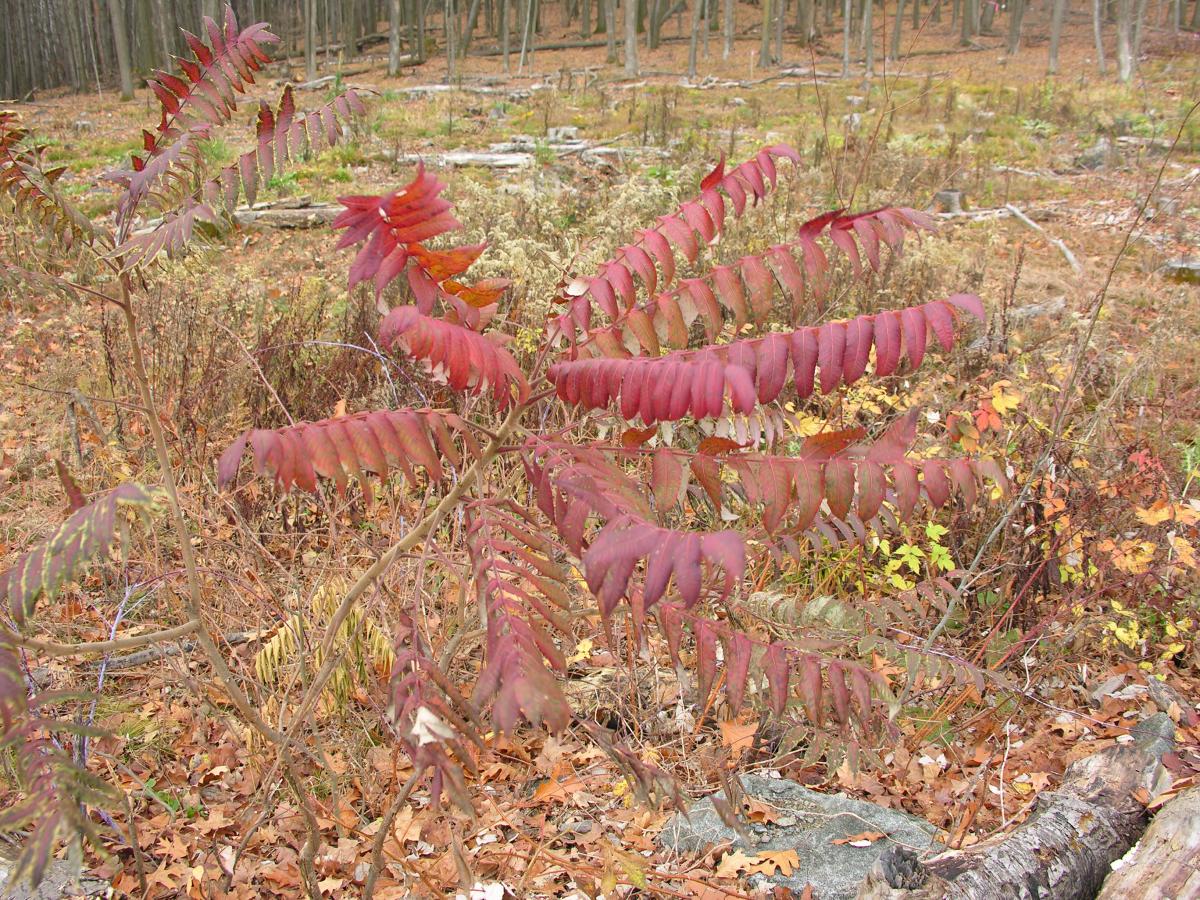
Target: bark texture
1165,864
1063,851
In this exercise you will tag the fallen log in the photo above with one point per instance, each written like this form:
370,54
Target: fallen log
1062,852
299,217
1165,863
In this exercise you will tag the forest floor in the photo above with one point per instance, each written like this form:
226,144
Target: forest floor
1090,595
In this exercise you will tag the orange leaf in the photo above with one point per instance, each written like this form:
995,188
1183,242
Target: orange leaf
635,437
738,737
829,443
714,446
442,264
765,863
482,293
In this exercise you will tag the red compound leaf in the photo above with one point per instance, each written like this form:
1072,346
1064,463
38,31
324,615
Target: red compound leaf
390,224
85,535
716,380
351,445
467,360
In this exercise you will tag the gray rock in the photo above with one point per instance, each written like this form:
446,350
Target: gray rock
815,821
1097,156
59,883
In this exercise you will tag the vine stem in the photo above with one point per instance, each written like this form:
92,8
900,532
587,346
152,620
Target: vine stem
100,647
385,828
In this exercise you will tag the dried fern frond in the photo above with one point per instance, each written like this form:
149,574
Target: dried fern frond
366,645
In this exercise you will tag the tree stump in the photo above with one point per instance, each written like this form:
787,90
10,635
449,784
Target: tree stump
948,202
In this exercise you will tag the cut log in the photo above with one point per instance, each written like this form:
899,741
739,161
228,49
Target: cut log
1165,864
1062,852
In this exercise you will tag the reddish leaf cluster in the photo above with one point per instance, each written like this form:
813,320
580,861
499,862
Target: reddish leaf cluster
394,227
467,360
697,223
342,446
854,482
697,382
574,483
46,775
622,544
282,135
513,570
745,292
823,685
32,187
221,68
430,717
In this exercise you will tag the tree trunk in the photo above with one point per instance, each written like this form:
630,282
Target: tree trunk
894,54
869,36
631,48
504,35
310,40
350,30
1139,21
1016,13
610,30
116,13
1163,864
780,21
764,45
1098,33
846,38
1056,25
1062,852
985,15
967,21
394,38
165,18
694,42
469,31
1196,16
1125,41
730,10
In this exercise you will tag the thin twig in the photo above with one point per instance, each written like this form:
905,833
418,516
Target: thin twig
385,828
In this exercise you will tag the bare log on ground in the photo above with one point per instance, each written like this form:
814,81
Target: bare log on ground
1062,247
288,217
1165,864
1063,851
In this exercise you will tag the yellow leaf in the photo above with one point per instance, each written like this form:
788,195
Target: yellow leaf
1005,401
583,650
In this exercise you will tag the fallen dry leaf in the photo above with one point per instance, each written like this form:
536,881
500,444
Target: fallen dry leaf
862,839
738,737
765,863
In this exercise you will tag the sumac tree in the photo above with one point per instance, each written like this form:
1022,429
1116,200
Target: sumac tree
687,365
